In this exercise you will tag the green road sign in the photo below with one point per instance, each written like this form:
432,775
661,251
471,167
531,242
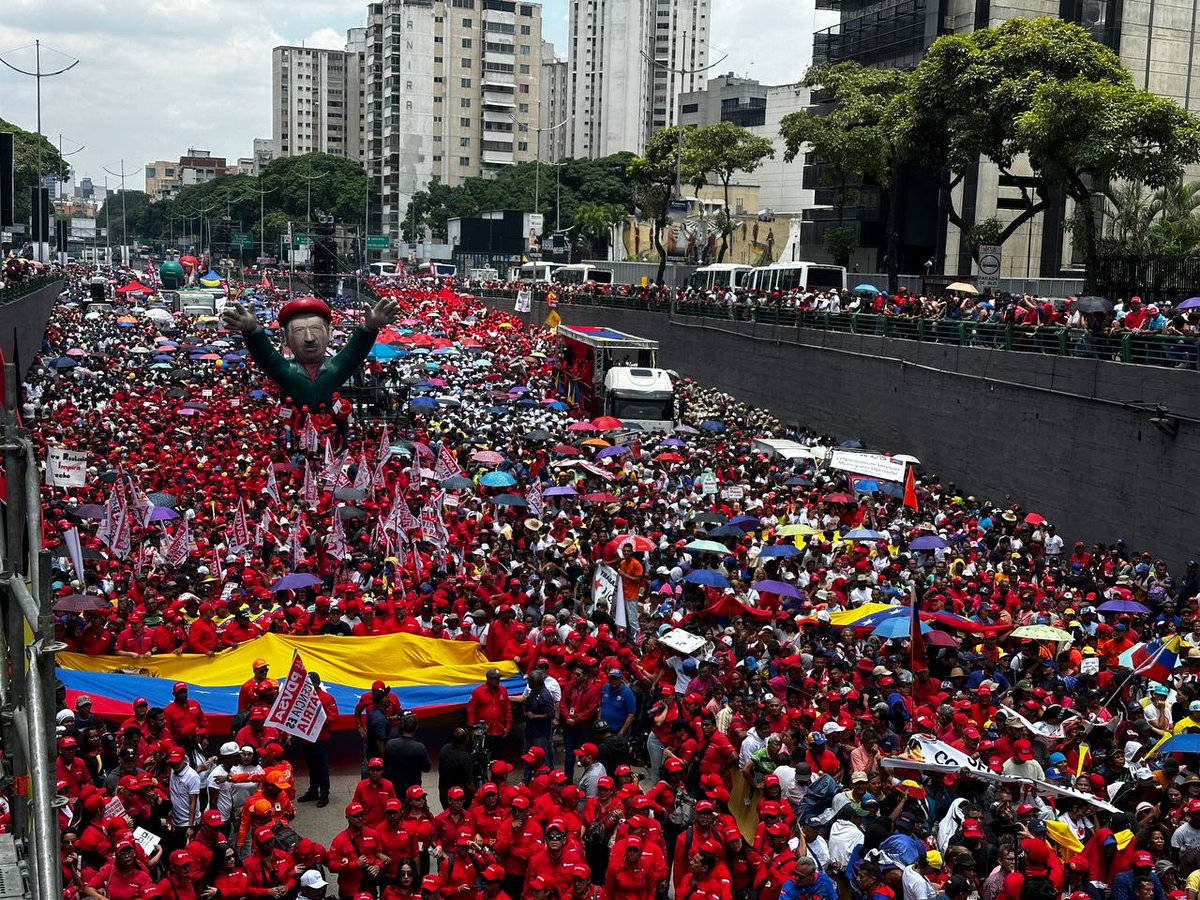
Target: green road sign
378,242
302,239
241,240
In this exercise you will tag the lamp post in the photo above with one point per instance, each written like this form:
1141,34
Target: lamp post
37,74
124,228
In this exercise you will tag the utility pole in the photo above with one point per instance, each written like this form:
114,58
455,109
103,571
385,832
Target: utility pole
124,229
37,74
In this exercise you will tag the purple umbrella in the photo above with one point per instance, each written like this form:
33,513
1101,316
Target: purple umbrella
618,450
161,514
782,588
1123,606
564,491
295,581
1190,303
80,603
928,542
686,429
674,442
88,511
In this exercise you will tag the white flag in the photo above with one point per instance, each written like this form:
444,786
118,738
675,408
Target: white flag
297,710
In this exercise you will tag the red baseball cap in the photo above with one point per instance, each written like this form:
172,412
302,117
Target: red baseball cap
971,828
455,793
588,749
354,808
212,817
1023,750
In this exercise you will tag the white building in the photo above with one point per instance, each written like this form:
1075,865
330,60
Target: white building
554,107
309,100
629,62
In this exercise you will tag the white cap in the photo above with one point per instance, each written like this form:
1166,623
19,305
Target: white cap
832,728
229,748
312,879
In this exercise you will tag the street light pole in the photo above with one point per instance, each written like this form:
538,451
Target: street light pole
124,227
37,74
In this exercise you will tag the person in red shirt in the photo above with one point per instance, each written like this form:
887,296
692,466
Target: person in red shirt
202,636
249,691
451,822
554,863
493,879
628,877
122,878
710,753
208,835
136,641
254,733
369,625
703,831
269,867
373,792
179,882
706,878
460,871
395,841
354,852
502,634
184,717
69,768
518,839
577,711
491,705
379,695
487,815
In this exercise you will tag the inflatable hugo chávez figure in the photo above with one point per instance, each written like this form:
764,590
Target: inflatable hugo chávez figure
309,379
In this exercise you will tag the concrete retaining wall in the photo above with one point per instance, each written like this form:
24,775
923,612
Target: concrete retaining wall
23,322
1069,438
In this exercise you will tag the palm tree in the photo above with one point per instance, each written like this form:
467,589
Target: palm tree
1177,228
593,222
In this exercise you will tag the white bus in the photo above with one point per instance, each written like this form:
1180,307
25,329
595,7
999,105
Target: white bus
790,276
537,272
384,269
720,276
436,270
579,273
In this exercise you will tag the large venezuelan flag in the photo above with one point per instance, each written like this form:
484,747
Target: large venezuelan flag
426,674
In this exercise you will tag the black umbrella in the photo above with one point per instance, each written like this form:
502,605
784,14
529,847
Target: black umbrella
539,434
91,553
351,512
176,393
722,531
457,483
1094,305
710,518
162,498
88,511
179,373
349,493
509,500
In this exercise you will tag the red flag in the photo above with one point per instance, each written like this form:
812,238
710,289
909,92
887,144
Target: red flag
917,639
910,490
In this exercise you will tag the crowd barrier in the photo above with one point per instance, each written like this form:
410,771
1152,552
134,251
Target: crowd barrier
1170,351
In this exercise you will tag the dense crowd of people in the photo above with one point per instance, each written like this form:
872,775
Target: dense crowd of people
747,710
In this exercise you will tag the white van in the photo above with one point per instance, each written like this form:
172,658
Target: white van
537,272
790,276
720,276
580,273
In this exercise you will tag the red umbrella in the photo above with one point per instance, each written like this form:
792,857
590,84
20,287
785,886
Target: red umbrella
636,542
1035,519
80,603
599,498
607,423
565,450
940,639
838,498
669,457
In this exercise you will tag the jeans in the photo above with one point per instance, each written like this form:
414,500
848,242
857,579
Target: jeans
573,739
654,748
317,755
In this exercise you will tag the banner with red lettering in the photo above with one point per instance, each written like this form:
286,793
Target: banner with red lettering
297,710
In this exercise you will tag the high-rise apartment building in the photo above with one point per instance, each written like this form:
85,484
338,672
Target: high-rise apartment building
629,62
450,91
309,100
554,108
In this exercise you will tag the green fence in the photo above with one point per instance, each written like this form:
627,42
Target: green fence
21,288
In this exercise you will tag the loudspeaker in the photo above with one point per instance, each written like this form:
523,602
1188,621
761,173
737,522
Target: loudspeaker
62,231
40,230
324,259
7,175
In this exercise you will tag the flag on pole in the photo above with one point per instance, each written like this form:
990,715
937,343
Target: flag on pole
1156,660
309,439
910,489
298,709
272,487
916,639
240,533
74,551
311,495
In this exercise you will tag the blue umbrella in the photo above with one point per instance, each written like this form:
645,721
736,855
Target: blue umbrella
674,442
498,479
897,627
509,500
864,534
782,588
295,581
257,395
928,542
746,523
556,405
866,486
867,289
707,577
384,351
892,489
423,403
64,362
778,550
527,403
712,425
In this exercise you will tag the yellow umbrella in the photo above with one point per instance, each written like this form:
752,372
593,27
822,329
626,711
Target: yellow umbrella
963,287
796,531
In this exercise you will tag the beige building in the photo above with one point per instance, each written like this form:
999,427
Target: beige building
450,92
162,179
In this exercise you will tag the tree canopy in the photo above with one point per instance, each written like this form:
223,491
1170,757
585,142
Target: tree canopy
724,149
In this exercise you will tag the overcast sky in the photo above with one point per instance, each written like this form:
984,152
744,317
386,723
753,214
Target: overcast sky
159,76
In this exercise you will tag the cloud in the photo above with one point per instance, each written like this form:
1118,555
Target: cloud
751,32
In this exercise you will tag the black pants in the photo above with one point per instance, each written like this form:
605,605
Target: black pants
317,754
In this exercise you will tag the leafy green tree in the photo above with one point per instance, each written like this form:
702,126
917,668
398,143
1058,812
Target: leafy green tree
726,149
132,210
847,133
1003,93
1081,133
25,167
593,223
653,178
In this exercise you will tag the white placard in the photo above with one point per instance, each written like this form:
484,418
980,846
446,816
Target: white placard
733,492
66,468
524,301
682,641
148,841
872,464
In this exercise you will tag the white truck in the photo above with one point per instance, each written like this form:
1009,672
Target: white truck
606,372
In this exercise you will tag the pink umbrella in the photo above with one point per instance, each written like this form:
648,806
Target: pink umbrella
581,426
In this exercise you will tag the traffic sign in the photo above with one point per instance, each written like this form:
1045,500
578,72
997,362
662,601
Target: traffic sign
302,239
989,266
378,242
241,240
